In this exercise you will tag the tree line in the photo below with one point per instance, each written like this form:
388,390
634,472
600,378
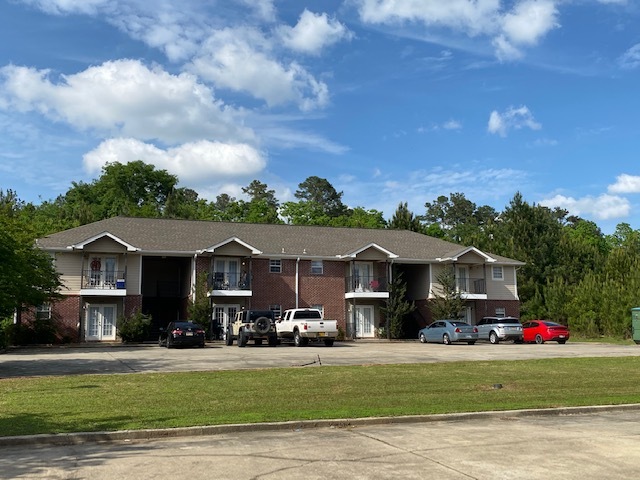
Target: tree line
574,274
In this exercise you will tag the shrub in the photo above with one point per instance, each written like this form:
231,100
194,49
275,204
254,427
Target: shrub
134,328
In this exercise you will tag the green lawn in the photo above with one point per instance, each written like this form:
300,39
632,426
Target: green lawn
136,401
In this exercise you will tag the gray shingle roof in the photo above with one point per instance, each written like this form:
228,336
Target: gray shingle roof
152,235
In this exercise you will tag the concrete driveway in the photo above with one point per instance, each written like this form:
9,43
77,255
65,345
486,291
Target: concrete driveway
118,358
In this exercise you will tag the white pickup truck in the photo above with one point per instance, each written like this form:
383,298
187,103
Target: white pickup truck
301,325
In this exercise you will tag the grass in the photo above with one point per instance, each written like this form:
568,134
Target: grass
137,401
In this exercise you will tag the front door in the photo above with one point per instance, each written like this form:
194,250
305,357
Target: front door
101,322
223,315
364,321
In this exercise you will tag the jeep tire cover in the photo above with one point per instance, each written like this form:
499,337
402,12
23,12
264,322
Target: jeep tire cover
262,325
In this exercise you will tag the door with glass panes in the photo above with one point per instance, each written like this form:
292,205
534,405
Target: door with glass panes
101,322
364,321
223,315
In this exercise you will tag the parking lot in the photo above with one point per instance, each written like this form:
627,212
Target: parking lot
118,358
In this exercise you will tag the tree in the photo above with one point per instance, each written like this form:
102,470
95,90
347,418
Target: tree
318,191
403,219
397,308
448,303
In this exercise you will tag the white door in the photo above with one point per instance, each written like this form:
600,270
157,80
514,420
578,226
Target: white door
101,322
364,321
462,281
227,273
224,315
363,276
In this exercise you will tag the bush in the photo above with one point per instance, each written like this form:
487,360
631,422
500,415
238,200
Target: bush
133,328
5,327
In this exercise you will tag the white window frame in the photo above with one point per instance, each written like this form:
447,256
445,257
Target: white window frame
276,309
319,307
501,312
43,311
499,270
275,265
317,267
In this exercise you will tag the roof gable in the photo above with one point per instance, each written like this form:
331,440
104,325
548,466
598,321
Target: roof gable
81,245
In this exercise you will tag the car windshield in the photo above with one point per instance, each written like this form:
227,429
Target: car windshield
460,324
181,325
552,324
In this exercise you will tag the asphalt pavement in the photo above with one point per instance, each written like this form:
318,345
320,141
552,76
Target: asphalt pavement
577,443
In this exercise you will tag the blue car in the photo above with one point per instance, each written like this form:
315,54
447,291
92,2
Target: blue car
449,331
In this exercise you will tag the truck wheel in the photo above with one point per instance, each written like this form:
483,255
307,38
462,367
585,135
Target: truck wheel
228,341
242,340
262,325
328,342
297,339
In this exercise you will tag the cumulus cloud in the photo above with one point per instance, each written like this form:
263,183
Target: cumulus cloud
626,184
631,58
603,207
241,59
524,25
313,32
126,98
195,163
63,7
512,118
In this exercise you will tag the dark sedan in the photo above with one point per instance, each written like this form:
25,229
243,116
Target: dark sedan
181,334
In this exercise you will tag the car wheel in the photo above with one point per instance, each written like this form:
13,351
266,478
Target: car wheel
262,325
228,341
423,339
168,344
539,339
562,342
297,339
493,338
160,342
242,340
328,342
445,339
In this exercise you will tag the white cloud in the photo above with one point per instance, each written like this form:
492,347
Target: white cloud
626,184
313,32
524,25
241,59
631,58
452,125
512,118
63,7
124,98
196,163
603,207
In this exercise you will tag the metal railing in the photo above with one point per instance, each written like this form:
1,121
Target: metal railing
227,280
471,285
366,283
103,280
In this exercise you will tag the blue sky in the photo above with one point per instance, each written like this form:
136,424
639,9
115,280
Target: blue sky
390,100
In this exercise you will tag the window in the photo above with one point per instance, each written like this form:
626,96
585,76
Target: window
501,312
275,266
316,267
43,312
276,309
319,307
497,273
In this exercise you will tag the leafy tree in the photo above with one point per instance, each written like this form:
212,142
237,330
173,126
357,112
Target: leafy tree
448,302
320,193
184,203
199,309
359,218
404,219
397,308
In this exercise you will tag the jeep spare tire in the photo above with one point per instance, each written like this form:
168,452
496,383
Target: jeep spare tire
262,325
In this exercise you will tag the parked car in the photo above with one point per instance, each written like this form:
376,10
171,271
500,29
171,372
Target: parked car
541,331
181,333
497,329
449,331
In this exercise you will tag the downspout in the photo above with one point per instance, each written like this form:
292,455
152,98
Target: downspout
194,278
297,281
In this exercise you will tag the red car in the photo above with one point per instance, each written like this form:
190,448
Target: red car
541,331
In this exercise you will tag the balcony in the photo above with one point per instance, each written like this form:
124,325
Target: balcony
229,284
102,282
359,286
472,288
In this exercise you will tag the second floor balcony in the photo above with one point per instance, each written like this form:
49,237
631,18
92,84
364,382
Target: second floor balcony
472,288
365,286
229,283
105,282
